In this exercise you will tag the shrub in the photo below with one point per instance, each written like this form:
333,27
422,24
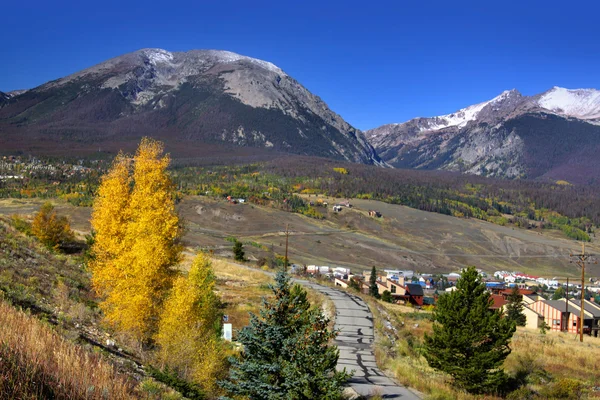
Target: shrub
387,296
21,224
53,231
565,388
170,378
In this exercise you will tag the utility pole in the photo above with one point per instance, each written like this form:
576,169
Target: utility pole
287,236
566,322
580,259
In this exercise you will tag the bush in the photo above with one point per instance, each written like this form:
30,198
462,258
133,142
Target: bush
50,229
387,296
170,378
21,224
565,388
522,393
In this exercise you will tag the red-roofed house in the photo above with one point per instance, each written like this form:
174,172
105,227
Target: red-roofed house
498,302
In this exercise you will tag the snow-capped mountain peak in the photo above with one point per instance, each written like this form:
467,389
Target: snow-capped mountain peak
578,103
156,56
465,115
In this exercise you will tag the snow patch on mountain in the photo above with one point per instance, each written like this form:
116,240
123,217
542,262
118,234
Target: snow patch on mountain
156,56
463,116
578,103
231,57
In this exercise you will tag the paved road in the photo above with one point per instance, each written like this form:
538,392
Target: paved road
355,342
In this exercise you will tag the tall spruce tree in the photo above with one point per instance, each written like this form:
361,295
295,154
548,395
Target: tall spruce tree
286,351
470,341
514,307
373,289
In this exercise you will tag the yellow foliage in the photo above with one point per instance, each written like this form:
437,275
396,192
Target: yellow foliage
563,183
189,329
109,223
49,228
342,171
137,240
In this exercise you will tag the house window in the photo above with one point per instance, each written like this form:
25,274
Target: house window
556,322
574,323
393,288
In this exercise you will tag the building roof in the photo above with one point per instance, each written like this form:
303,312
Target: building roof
414,289
498,301
587,308
522,292
560,305
573,307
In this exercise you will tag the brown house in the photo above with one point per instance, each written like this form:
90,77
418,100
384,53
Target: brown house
415,294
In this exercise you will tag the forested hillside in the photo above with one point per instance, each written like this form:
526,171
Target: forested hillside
574,209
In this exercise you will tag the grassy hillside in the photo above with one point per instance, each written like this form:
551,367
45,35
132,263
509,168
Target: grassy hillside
557,365
402,238
38,363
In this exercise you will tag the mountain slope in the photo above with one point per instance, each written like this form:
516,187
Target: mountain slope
3,99
187,99
553,135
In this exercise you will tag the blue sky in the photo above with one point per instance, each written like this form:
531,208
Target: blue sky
373,62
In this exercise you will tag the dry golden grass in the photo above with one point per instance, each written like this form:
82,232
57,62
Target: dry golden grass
555,356
241,290
560,354
36,362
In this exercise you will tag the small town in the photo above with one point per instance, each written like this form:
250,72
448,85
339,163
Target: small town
543,302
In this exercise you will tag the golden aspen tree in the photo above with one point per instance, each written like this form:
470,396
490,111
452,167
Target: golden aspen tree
190,326
50,229
137,272
109,224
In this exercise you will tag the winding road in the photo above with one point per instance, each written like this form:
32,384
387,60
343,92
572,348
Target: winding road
354,322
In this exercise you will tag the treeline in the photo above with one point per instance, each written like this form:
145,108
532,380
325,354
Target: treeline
573,209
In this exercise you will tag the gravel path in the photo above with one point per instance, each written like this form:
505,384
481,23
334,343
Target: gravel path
354,322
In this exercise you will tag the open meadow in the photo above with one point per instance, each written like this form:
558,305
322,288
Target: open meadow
402,238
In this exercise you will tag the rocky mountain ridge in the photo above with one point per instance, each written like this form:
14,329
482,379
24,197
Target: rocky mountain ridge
199,96
503,137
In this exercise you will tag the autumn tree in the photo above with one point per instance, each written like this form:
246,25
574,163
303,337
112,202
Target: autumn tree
470,341
50,229
190,328
137,240
109,225
287,351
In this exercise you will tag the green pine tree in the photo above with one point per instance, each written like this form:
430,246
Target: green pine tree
238,251
470,342
286,351
514,307
559,293
373,289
